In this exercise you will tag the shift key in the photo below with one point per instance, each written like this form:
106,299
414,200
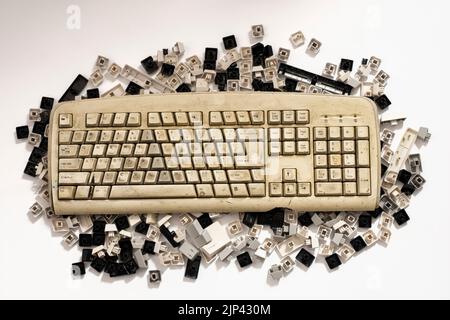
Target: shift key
73,178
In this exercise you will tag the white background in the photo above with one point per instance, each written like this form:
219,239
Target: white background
40,56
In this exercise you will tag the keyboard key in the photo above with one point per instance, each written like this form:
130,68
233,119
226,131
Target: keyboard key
229,117
274,148
348,132
350,174
65,120
68,151
334,160
167,118
161,135
116,164
165,177
85,150
106,136
134,136
120,119
82,192
328,189
215,118
349,160
154,149
288,117
302,117
78,137
250,134
302,147
73,178
320,147
362,155
216,134
178,177
66,192
130,163
363,181
258,175
206,176
334,146
106,119
92,119
152,192
257,117
334,133
239,190
120,136
350,188
274,117
89,164
113,150
335,174
302,133
195,118
204,190
362,132
147,136
123,177
99,150
222,190
109,178
304,189
102,164
348,146
289,189
289,174
158,163
275,189
320,161
154,119
321,174
288,133
320,133
181,119
257,189
242,117
101,192
192,176
134,119
239,176
144,163
64,137
151,177
288,147
70,164
220,176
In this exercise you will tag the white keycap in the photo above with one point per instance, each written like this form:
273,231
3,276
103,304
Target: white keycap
257,117
229,117
363,181
134,119
120,119
167,118
73,178
328,188
302,133
362,155
65,120
257,189
239,190
154,119
92,119
302,117
106,119
274,117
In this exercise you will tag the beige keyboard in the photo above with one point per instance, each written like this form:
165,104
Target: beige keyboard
214,152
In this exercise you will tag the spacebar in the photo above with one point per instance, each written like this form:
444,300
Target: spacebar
153,192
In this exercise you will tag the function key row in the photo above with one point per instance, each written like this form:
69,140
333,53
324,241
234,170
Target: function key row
217,118
133,119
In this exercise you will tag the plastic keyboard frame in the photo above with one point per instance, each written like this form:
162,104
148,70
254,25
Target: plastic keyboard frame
355,111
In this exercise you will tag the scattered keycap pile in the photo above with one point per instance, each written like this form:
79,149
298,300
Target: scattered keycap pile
120,245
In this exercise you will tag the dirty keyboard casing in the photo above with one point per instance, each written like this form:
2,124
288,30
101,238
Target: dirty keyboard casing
214,152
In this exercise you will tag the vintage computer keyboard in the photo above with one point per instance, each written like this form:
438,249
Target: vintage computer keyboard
214,152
